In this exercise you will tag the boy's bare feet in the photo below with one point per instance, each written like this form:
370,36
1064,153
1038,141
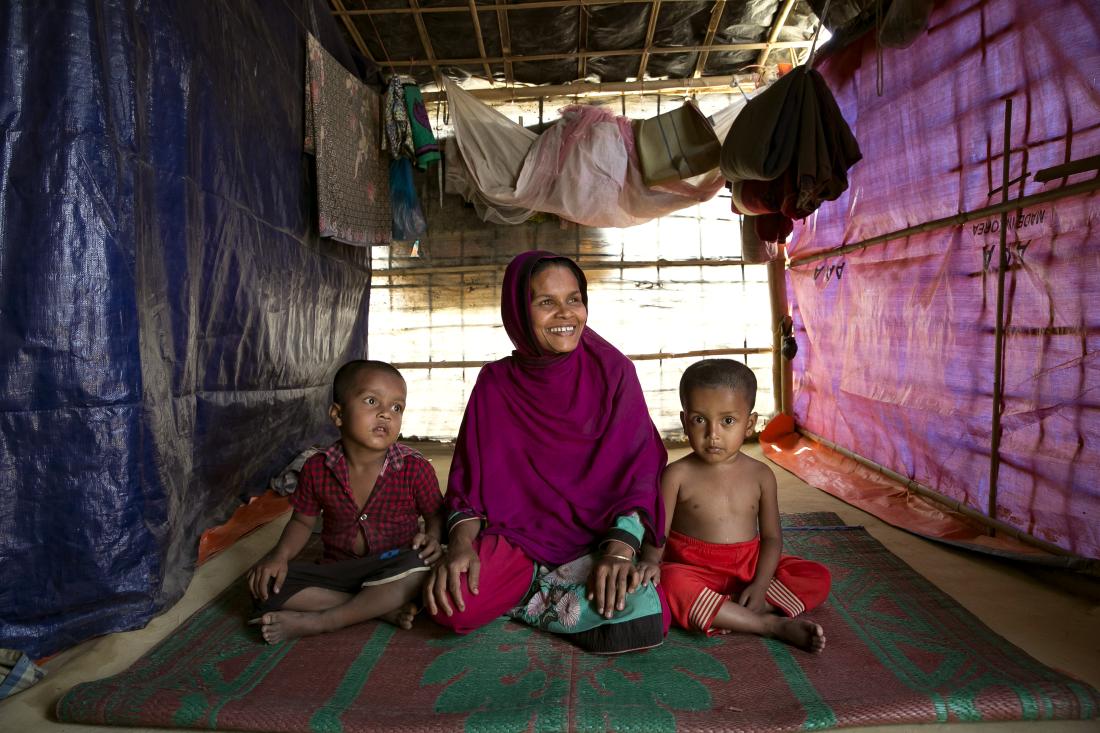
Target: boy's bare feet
805,635
276,626
402,617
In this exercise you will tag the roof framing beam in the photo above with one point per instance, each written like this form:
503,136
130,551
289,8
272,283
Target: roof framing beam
582,41
427,43
649,31
777,27
480,40
703,85
504,6
505,41
603,54
712,28
339,9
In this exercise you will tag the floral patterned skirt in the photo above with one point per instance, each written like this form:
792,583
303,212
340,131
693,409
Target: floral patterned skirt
557,602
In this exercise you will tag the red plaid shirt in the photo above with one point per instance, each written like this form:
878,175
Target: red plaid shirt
406,489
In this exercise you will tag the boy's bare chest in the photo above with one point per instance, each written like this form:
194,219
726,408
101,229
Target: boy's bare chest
717,512
720,499
362,485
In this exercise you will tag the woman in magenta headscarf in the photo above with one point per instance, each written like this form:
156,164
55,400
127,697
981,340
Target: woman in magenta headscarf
555,478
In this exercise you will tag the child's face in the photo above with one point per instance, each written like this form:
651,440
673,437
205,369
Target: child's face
717,420
557,310
371,413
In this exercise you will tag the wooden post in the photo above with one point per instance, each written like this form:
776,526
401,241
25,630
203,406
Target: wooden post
999,326
781,368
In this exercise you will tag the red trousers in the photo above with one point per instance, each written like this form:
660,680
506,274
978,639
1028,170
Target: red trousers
506,574
700,576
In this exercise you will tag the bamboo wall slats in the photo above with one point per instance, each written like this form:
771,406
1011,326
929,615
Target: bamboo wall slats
667,293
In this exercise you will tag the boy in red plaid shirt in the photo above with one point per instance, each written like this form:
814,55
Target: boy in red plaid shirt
372,491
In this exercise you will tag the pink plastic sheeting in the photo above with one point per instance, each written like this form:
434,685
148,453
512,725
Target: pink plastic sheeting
584,168
896,346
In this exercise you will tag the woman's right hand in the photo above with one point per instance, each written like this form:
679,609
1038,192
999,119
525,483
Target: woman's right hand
269,566
443,590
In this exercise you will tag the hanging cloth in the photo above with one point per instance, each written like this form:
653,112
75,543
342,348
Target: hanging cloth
408,217
425,147
583,168
342,131
789,150
398,139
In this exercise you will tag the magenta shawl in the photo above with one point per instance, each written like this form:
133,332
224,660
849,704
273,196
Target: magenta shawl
552,449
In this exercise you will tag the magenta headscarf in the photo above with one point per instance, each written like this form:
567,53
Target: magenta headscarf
554,447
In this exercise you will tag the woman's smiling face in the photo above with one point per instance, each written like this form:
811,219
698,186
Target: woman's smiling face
558,313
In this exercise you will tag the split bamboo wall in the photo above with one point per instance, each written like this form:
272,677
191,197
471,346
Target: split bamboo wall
661,292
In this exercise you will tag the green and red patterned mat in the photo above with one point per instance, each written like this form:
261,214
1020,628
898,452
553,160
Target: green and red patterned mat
899,651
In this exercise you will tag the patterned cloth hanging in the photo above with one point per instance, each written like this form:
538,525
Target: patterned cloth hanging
343,133
398,139
424,142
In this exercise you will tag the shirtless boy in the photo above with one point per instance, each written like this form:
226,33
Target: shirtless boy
722,567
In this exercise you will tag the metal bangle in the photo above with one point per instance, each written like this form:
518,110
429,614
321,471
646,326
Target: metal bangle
620,557
461,521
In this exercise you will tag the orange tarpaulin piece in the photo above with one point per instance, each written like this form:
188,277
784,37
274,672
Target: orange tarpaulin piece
257,512
876,494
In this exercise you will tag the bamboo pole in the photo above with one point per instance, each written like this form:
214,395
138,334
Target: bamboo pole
476,363
1042,197
1065,170
505,41
584,265
537,5
702,85
777,292
999,327
1068,559
479,38
426,43
712,29
338,9
608,53
582,42
777,28
654,10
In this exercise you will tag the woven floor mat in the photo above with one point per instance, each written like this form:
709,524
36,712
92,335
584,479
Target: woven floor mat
899,651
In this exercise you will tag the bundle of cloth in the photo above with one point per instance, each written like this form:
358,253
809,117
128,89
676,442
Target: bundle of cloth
584,168
788,150
408,129
409,139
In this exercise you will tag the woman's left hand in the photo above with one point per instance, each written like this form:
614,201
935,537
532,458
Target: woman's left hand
607,584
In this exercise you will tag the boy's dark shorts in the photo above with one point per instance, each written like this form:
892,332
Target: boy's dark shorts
346,576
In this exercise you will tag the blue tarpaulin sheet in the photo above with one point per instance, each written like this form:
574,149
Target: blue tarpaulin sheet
169,319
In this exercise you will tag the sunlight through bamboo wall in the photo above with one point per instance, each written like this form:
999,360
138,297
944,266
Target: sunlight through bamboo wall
446,308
